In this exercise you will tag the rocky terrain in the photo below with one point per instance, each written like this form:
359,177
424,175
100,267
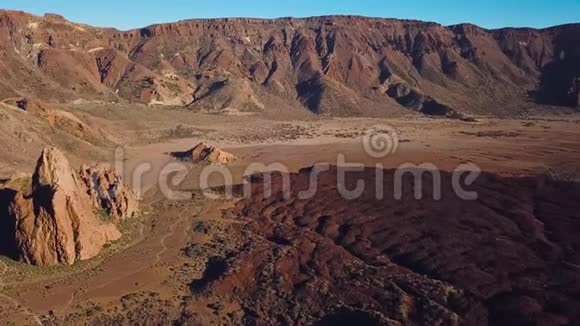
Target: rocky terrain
508,258
79,246
340,66
59,216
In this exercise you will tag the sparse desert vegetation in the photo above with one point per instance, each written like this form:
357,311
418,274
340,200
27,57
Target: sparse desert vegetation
108,215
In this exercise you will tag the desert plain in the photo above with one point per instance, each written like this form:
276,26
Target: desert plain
162,175
150,274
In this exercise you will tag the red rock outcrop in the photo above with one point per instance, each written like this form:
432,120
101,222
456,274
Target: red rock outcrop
60,219
107,191
56,223
203,153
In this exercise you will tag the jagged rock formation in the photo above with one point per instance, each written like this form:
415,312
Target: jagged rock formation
107,191
56,223
203,153
55,220
329,65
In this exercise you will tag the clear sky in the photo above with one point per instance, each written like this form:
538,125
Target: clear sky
127,14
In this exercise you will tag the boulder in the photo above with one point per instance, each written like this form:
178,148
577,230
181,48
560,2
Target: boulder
203,153
108,192
29,105
55,221
399,90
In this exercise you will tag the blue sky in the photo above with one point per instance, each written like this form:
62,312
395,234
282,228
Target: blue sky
126,14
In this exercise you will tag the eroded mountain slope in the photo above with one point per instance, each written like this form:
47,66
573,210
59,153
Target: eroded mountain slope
328,65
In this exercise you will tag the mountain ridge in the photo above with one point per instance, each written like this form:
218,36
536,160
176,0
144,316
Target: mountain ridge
331,65
242,18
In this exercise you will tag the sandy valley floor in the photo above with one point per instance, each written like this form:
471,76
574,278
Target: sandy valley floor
149,265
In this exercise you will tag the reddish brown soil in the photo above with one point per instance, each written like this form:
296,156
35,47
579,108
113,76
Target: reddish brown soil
152,279
509,257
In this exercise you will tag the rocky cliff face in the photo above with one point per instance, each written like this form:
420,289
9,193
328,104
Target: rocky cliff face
57,220
328,65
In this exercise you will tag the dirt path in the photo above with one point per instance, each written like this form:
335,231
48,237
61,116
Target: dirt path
137,241
158,256
17,304
169,234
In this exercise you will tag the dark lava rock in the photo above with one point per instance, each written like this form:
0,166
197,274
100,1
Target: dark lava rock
508,257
